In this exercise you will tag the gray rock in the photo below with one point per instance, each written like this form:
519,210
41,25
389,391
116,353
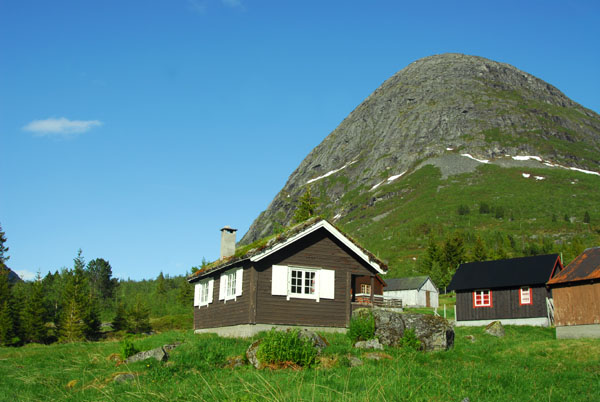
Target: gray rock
124,377
234,362
159,354
370,344
354,361
317,340
377,356
170,347
495,328
470,338
389,327
251,354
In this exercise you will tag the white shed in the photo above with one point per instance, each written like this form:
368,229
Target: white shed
415,291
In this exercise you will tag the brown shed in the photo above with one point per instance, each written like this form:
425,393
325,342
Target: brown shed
576,292
307,276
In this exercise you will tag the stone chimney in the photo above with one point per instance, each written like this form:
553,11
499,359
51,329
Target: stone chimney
227,242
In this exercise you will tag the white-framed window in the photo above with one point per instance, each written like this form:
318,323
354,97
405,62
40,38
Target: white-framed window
482,298
525,295
365,289
230,284
203,292
302,282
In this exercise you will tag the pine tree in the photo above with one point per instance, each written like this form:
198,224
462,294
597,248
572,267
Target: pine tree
307,206
139,317
120,320
3,249
586,217
161,287
72,328
35,314
186,293
8,327
479,251
101,281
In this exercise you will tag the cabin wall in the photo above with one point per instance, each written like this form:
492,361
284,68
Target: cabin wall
377,286
505,304
577,304
316,250
220,313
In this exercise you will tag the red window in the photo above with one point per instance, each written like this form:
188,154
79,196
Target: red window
525,295
482,298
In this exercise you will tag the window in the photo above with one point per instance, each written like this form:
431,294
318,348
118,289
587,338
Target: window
230,287
365,289
525,295
482,298
203,292
302,282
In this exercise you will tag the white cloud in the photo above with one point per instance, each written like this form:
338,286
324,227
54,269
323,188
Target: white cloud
61,127
233,3
197,6
26,275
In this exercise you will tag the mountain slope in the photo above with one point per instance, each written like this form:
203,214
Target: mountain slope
444,115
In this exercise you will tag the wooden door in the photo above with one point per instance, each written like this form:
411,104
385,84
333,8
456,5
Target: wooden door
427,298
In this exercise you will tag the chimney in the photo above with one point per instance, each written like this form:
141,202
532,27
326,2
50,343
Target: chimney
227,242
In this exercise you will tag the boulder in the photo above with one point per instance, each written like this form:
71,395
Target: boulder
370,344
317,340
354,361
495,328
124,377
435,333
159,354
251,354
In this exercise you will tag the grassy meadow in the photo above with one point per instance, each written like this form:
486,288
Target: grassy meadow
527,364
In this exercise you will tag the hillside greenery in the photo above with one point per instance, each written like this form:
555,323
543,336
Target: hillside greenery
527,364
494,212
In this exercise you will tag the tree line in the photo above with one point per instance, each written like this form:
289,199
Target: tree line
72,304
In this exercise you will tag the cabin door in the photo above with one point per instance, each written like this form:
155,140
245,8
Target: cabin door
427,298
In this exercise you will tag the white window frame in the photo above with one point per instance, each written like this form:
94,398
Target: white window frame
304,273
525,296
281,282
203,292
230,284
481,295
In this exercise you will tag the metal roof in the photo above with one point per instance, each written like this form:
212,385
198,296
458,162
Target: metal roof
505,273
409,283
583,268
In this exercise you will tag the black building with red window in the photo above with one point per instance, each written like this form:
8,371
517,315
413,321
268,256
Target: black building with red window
512,291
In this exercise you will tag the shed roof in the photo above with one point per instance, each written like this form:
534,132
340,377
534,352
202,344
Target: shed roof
583,268
265,247
408,283
505,273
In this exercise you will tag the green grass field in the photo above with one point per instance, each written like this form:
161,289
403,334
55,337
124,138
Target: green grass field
527,364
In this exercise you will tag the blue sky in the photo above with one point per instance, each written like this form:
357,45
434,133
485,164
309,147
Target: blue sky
135,130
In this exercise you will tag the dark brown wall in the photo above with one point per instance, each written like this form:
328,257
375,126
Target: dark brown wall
577,304
219,313
318,250
377,285
505,305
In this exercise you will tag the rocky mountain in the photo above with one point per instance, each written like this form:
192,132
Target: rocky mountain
454,112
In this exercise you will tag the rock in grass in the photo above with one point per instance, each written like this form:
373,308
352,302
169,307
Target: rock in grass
161,354
124,377
354,361
251,354
470,338
370,344
377,356
495,328
317,340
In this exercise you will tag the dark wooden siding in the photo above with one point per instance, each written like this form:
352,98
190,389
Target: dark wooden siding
505,305
377,285
318,250
577,304
219,313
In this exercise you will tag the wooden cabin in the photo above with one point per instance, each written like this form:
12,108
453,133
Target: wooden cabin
512,291
576,292
414,291
309,276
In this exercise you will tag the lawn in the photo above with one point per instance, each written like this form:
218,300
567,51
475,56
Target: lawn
527,364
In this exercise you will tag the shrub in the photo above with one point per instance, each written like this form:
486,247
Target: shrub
586,217
362,327
286,346
128,348
484,208
410,340
463,209
499,213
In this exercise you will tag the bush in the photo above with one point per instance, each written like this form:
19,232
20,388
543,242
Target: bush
128,348
286,346
362,327
484,208
463,209
410,340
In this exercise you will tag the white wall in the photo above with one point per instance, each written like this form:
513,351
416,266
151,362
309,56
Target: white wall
416,298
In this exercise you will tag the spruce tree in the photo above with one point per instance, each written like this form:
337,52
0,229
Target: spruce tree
35,314
139,317
586,217
307,206
72,328
3,249
120,321
479,250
